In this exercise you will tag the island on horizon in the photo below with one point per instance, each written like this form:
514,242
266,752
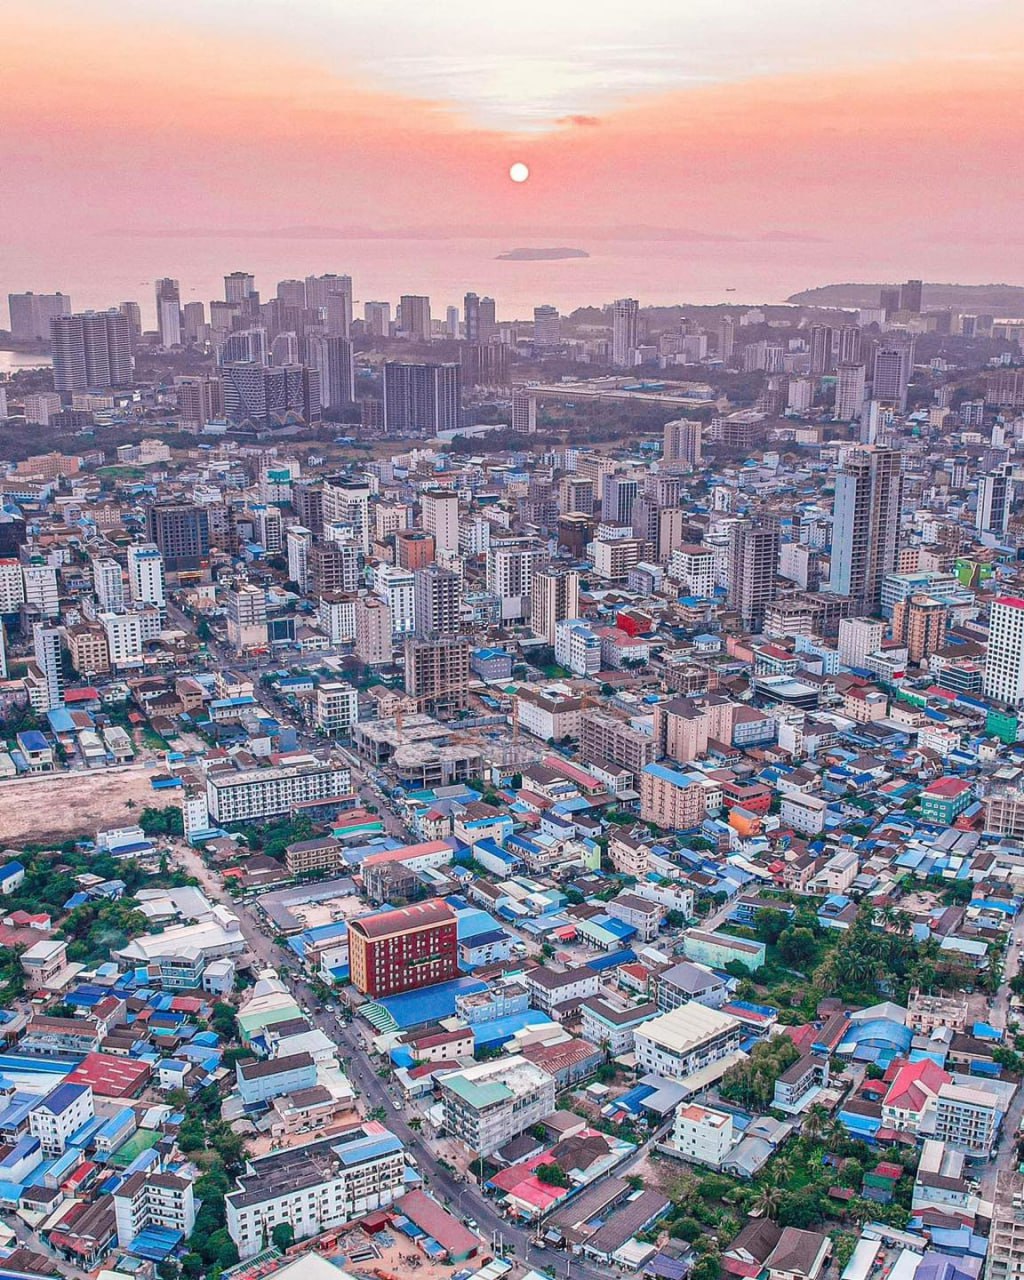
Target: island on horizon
540,255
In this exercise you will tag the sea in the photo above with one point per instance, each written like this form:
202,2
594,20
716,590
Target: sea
104,270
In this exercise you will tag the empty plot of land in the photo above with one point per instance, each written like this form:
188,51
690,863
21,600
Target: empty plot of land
56,806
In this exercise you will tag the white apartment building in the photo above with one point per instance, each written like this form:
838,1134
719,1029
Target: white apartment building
108,584
59,1115
153,1200
702,1134
124,639
577,648
41,588
694,568
510,567
803,813
46,646
336,613
686,1040
859,637
1004,663
489,1104
146,575
967,1119
260,793
396,587
12,586
315,1187
348,502
298,540
337,708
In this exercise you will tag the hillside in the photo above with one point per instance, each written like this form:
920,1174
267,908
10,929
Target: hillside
995,299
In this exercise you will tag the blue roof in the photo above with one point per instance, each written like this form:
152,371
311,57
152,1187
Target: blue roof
429,1004
64,1096
32,740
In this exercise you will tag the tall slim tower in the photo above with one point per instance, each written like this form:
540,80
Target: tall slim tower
168,312
438,601
554,598
995,497
894,363
866,525
625,331
753,565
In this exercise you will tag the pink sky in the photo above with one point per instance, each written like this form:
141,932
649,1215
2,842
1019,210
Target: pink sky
835,126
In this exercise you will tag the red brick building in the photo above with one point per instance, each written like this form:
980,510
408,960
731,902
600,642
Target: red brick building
404,949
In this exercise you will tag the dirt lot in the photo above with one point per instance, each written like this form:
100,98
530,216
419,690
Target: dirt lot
58,805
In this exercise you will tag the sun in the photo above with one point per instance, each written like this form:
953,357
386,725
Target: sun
519,172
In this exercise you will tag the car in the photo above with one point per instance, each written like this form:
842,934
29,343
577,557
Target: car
472,1224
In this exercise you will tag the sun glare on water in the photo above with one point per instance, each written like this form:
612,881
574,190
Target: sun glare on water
519,172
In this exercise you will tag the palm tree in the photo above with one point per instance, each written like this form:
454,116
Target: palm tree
815,1123
769,1199
781,1171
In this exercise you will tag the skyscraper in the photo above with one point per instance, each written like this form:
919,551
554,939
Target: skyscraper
146,575
894,363
269,397
866,525
193,322
416,316
823,341
292,293
168,312
437,601
46,646
511,563
1004,662
377,318
682,443
849,344
726,339
625,331
91,351
753,565
547,328
441,518
849,392
247,346
910,297
421,399
524,412
619,495
995,497
181,533
332,355
31,314
554,597
471,317
239,286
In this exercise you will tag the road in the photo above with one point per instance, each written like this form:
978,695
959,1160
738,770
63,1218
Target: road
1005,1160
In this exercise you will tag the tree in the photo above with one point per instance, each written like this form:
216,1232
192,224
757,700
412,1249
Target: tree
770,924
283,1236
797,946
553,1175
220,1250
769,1198
815,1123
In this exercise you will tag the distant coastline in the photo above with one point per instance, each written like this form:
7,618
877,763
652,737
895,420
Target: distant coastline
540,255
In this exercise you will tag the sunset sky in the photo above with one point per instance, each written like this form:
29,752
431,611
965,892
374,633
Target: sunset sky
841,120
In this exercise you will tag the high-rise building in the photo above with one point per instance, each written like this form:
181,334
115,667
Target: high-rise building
421,399
146,575
292,293
403,949
625,331
297,542
377,319
682,443
554,597
619,495
168,312
894,363
576,495
91,351
308,501
347,502
910,297
46,651
438,601
31,314
441,518
753,565
995,497
726,339
199,400
373,631
1004,662
247,617
437,673
332,355
823,343
547,328
181,533
108,584
524,412
262,397
414,549
850,383
511,563
471,318
239,286
133,314
865,525
285,349
245,346
848,349
396,588
415,311
919,622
